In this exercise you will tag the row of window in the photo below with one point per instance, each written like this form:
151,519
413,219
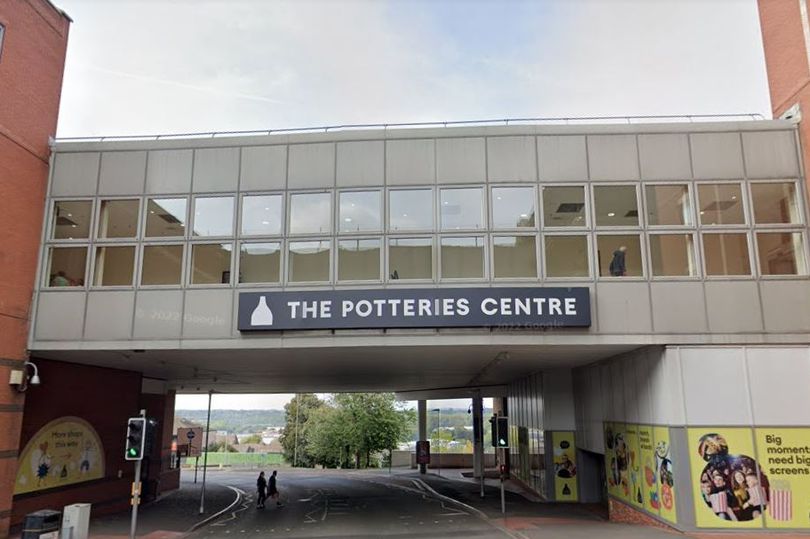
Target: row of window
460,257
412,210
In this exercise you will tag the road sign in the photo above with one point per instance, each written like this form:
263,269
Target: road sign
193,437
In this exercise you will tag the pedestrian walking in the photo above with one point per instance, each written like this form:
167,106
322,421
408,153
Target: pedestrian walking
272,489
261,486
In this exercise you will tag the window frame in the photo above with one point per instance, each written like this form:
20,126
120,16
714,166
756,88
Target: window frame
434,270
190,264
748,218
338,216
490,224
482,188
752,262
45,285
288,258
288,233
696,254
640,225
691,195
805,270
145,209
193,216
241,209
238,264
586,193
590,249
135,266
537,261
800,210
183,261
484,259
380,239
140,224
387,230
52,221
645,271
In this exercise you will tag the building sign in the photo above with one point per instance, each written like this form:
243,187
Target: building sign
508,308
63,452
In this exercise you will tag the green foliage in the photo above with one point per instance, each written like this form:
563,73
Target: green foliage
252,439
295,439
239,421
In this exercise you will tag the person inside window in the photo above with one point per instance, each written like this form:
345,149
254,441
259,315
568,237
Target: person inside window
617,265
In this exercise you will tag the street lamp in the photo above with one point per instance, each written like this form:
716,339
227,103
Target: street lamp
439,437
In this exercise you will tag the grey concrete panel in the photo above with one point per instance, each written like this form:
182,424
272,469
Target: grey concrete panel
623,307
664,157
409,162
716,155
680,453
109,315
360,163
770,154
263,168
779,375
644,372
60,316
562,158
158,314
678,307
207,314
461,160
613,157
216,169
712,376
311,165
169,171
75,174
511,159
733,306
122,173
785,305
617,387
631,396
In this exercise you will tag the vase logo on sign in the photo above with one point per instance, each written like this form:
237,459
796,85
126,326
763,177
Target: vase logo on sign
262,315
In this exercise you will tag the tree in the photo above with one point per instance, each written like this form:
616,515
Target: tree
295,438
252,439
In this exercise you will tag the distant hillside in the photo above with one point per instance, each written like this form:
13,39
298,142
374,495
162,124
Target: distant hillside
237,421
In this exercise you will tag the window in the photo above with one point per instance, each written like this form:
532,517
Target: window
213,216
514,256
775,203
615,205
410,209
410,258
118,219
260,262
71,219
114,266
566,256
309,261
2,35
162,265
360,211
563,206
668,205
261,215
672,255
310,213
211,263
513,207
166,217
781,253
726,254
720,204
462,258
462,209
359,260
66,266
619,255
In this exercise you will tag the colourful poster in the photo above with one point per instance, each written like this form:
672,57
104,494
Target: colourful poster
63,452
634,465
664,472
565,466
784,454
729,489
619,466
649,479
611,467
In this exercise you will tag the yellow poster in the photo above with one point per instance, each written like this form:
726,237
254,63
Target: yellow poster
729,489
618,469
565,466
634,465
611,467
649,479
63,452
784,455
664,473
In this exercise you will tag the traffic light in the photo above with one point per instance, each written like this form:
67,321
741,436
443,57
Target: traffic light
136,438
503,432
493,431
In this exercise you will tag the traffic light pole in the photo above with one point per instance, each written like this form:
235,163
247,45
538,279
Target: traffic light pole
136,492
205,457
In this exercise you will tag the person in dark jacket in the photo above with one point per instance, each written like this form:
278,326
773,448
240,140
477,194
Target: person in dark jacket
261,486
272,490
617,265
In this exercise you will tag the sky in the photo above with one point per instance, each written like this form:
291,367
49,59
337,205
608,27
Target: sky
264,402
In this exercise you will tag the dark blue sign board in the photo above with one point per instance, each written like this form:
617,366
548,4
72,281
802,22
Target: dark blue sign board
415,308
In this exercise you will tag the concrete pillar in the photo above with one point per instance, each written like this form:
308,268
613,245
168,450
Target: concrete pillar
421,407
478,435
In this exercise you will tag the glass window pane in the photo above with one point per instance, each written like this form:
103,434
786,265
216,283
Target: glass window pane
211,263
775,203
165,217
615,205
360,211
720,204
71,219
161,264
726,254
567,256
513,207
619,256
118,219
261,215
410,209
213,216
564,206
410,258
462,209
672,255
462,258
66,266
515,256
309,261
781,253
260,262
310,213
359,260
114,266
668,205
